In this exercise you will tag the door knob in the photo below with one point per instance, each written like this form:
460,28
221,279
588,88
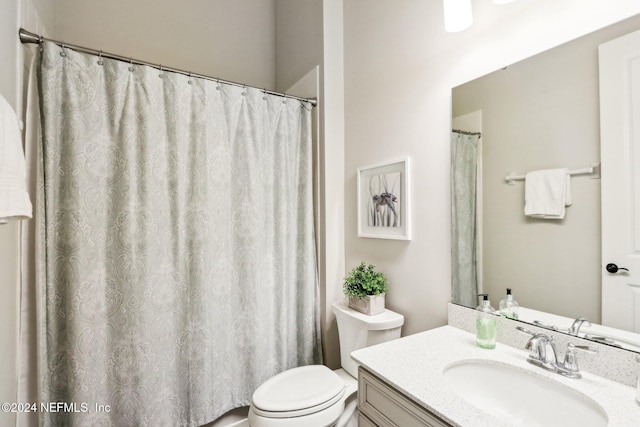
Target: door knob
612,268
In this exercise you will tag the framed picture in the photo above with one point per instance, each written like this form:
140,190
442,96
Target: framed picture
383,201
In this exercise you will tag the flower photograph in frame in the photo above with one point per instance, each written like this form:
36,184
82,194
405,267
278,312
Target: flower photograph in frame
383,200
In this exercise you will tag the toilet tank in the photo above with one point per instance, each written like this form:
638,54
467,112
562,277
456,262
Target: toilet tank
357,330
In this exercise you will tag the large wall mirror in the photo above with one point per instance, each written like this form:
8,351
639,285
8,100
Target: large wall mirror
540,113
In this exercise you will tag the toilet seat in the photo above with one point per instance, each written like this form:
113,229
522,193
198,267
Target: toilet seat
315,396
298,392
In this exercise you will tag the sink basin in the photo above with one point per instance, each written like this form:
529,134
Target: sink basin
521,397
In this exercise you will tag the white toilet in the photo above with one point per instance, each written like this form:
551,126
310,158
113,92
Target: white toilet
316,396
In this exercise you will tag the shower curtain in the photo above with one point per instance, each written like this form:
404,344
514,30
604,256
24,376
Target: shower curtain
176,268
464,285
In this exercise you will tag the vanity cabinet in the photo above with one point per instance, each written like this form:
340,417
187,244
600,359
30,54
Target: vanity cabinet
381,405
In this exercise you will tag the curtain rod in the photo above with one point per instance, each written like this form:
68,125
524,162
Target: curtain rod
29,37
464,132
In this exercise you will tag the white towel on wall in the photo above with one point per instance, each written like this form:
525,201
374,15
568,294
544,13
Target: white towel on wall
568,198
14,199
546,193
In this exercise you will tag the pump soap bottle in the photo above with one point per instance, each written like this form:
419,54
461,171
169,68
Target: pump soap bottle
485,324
509,306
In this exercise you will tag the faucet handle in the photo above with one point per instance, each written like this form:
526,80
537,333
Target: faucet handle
570,364
585,348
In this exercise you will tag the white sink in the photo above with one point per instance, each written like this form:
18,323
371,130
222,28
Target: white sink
521,397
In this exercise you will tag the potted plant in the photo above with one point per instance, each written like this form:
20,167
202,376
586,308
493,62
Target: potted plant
366,289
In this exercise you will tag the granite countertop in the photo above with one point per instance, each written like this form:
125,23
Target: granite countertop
414,365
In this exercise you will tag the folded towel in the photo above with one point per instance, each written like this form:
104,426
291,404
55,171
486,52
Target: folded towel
546,193
14,199
568,198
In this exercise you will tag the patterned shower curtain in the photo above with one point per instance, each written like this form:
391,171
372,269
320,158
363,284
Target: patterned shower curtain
176,268
464,286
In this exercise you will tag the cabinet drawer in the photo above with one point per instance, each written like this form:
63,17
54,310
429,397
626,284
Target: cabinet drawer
364,421
387,407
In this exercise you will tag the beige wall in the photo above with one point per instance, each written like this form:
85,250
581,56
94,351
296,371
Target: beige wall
298,39
400,67
537,114
232,40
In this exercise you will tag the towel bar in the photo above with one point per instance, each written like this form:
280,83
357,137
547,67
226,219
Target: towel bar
593,171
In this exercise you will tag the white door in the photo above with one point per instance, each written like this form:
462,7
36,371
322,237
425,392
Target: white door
620,157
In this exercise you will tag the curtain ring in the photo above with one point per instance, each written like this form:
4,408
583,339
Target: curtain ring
100,61
161,75
244,90
218,84
131,67
265,96
63,53
190,81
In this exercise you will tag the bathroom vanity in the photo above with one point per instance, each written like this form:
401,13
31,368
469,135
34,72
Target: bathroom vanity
383,405
441,378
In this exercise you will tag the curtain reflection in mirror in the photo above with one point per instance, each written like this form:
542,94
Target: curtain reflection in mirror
464,287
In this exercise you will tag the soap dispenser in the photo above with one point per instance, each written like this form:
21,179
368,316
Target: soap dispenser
485,324
509,307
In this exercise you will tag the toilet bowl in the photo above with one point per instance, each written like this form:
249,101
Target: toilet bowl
314,395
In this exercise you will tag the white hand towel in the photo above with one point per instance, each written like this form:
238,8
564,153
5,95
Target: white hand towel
14,199
568,198
545,193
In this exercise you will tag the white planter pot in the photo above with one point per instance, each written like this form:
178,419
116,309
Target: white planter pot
371,304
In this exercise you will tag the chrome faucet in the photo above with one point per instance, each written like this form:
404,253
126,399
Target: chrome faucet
577,324
542,353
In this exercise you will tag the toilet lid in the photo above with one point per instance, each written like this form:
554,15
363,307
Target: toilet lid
303,390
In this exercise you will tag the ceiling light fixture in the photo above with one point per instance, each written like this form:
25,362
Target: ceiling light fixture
458,15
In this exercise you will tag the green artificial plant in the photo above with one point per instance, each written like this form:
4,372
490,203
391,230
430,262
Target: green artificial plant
364,280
